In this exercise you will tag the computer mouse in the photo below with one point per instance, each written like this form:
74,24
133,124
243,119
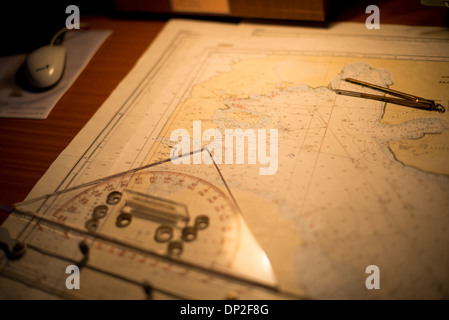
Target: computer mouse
45,66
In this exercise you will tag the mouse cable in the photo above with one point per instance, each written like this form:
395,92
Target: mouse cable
64,30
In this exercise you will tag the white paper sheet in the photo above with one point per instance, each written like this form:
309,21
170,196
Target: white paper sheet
16,102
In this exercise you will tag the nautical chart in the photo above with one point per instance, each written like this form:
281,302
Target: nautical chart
353,183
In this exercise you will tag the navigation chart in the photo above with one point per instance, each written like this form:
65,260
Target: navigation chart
348,183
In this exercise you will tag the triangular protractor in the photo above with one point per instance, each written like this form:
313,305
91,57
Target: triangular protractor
181,215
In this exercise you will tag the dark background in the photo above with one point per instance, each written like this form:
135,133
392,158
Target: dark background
25,26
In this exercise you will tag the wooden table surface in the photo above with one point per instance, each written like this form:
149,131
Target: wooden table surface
29,147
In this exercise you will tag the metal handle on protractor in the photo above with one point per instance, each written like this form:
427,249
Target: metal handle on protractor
12,248
406,99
